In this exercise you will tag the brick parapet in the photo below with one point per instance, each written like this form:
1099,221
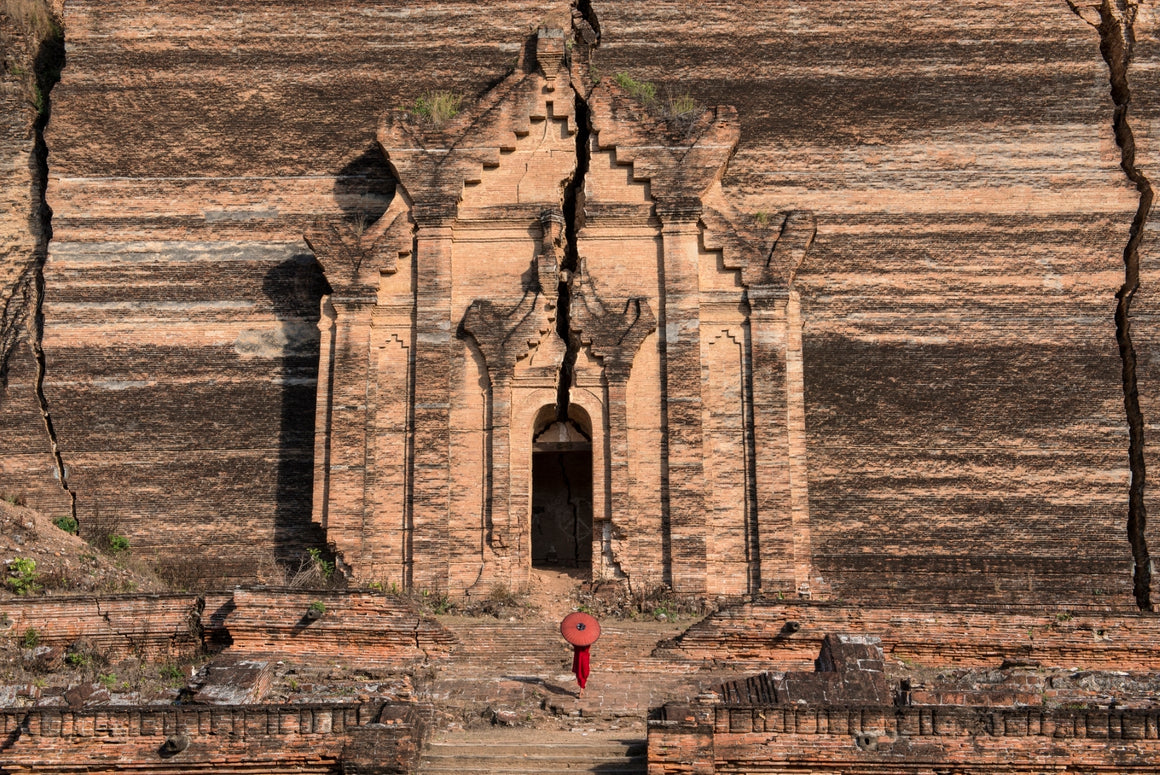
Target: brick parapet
1089,723
853,739
266,738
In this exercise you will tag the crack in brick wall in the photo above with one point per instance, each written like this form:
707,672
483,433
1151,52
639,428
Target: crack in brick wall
1114,20
585,28
49,60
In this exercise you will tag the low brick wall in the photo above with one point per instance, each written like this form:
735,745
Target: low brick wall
149,626
363,738
856,740
788,635
358,627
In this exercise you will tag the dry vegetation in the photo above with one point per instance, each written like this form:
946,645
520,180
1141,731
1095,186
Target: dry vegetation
437,107
40,557
33,45
35,16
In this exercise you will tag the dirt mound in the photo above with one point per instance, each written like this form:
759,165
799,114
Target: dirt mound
37,557
553,592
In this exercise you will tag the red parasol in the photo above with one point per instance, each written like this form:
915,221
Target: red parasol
580,629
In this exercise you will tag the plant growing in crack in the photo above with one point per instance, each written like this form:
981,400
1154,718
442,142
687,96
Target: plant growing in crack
643,92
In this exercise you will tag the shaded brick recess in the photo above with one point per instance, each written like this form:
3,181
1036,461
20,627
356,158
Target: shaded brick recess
925,404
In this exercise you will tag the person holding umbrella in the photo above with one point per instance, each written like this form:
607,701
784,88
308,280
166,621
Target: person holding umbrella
580,630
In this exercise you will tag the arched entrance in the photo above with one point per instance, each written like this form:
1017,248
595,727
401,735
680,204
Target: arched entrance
562,490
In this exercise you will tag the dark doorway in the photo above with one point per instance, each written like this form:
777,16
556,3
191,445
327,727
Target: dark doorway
562,497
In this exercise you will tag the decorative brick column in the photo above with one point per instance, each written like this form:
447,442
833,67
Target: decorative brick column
682,407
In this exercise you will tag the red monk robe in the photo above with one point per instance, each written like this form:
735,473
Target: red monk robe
580,666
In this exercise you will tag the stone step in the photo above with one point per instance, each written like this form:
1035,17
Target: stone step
527,751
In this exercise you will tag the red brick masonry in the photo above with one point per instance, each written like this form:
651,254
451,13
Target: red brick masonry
364,738
878,739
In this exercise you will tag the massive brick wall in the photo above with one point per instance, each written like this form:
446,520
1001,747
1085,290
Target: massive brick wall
965,434
27,459
965,421
191,148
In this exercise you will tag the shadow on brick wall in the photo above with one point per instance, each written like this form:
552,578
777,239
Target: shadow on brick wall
295,288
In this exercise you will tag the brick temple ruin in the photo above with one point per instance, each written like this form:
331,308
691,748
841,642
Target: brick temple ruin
561,345
833,322
854,336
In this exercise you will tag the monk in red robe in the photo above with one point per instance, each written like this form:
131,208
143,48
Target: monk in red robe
580,666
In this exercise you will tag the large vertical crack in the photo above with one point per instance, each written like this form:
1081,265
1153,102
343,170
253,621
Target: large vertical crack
585,36
1115,20
47,67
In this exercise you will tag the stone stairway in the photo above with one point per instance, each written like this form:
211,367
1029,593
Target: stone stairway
505,700
534,752
520,670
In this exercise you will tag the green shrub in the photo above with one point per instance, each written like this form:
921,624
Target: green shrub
78,659
22,576
117,543
67,524
324,567
436,602
173,675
